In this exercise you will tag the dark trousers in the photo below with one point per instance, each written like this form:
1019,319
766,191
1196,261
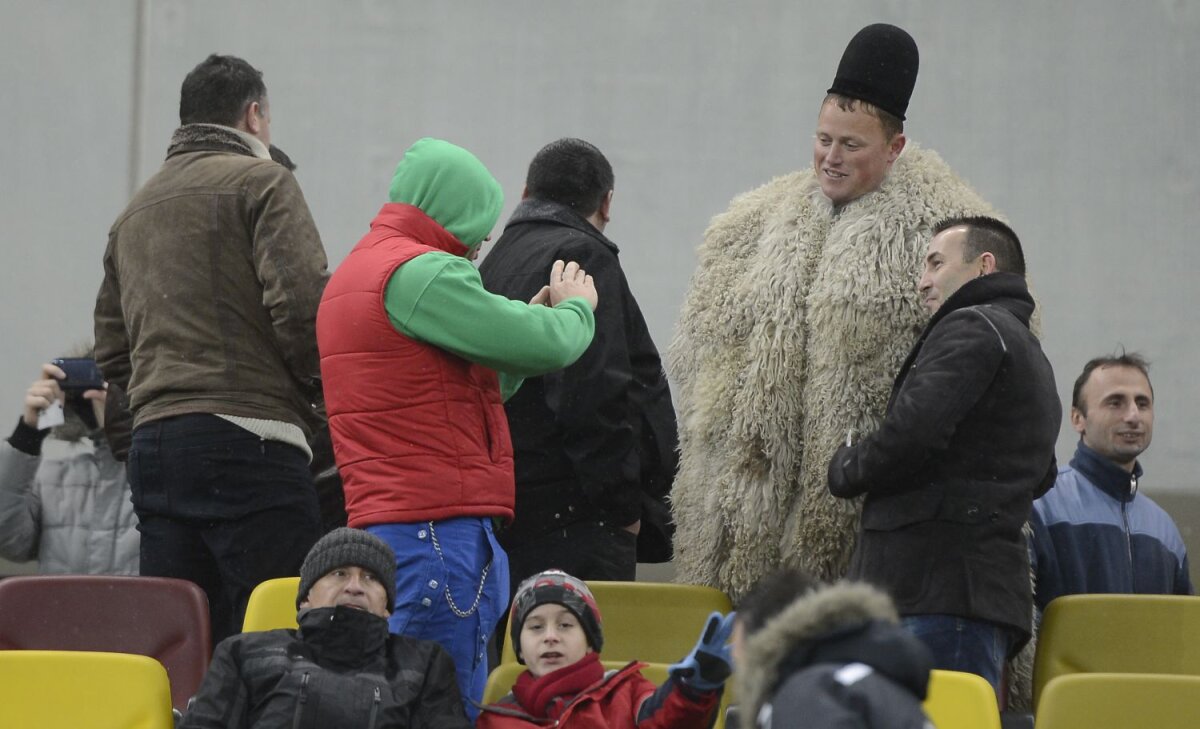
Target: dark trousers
961,644
221,507
589,550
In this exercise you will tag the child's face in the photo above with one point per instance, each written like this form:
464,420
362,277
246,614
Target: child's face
552,638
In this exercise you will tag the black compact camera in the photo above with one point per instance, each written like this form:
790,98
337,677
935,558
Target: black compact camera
82,374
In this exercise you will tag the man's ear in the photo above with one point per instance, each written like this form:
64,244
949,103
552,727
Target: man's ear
1078,420
251,118
602,211
525,192
988,261
896,146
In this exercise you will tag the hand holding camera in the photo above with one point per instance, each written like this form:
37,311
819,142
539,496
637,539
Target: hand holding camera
73,382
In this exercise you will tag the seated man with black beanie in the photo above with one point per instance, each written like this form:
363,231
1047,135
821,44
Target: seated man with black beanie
342,667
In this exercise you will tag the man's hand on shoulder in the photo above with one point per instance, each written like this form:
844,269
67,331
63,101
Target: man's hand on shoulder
567,281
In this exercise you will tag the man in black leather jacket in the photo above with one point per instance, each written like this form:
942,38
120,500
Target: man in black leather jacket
342,667
965,447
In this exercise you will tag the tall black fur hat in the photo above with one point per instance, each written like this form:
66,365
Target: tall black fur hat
879,67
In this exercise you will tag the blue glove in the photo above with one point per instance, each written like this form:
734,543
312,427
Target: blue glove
710,662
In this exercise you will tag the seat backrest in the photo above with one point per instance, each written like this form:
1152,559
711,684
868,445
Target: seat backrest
1120,701
272,605
163,618
1117,634
653,622
500,682
961,701
72,689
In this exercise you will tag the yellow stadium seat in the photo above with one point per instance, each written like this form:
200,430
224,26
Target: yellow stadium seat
72,689
961,701
272,605
1120,701
502,678
500,681
648,621
1118,634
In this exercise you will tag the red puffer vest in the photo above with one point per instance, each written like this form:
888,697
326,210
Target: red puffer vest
419,434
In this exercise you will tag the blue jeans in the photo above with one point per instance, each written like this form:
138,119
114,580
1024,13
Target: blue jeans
427,579
959,644
221,507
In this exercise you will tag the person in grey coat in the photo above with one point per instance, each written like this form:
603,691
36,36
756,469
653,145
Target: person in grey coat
64,499
824,656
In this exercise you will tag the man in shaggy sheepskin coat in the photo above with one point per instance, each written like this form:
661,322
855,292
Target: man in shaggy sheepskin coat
802,309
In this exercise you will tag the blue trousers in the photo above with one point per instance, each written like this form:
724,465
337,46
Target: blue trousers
960,644
442,563
221,507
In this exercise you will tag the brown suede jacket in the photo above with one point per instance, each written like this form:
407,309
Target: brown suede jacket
212,278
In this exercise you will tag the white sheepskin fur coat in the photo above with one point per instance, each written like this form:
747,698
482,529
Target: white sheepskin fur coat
797,320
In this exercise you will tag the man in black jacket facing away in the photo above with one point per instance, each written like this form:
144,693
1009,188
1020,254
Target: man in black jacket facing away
965,447
590,440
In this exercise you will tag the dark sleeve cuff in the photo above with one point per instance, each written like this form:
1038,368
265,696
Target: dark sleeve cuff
26,439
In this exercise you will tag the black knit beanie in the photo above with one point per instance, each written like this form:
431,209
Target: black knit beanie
880,68
344,547
559,588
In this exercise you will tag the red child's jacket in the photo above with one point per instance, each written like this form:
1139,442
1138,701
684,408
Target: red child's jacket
622,699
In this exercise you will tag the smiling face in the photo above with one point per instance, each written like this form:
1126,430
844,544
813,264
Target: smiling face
851,152
552,638
349,586
1117,415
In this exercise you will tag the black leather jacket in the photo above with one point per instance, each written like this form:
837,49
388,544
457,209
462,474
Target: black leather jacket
341,669
966,446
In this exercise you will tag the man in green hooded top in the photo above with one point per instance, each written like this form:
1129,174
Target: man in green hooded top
415,355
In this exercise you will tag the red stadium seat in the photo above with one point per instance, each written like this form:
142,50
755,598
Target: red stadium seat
165,619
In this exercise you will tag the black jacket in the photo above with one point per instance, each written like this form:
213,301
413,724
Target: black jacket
951,474
834,658
341,669
590,439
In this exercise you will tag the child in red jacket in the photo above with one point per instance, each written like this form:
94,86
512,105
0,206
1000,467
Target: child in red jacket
556,633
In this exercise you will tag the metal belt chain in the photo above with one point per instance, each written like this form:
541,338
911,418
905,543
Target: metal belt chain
450,600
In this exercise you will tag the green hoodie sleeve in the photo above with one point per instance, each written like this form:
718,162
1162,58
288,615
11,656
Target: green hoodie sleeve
438,298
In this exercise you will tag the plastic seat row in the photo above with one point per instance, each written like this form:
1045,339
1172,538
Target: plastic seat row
1109,635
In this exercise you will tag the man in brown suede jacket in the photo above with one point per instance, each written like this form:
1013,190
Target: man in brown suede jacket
206,318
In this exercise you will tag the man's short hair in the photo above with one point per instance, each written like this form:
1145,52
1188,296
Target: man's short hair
892,124
218,90
771,595
1124,359
570,172
988,235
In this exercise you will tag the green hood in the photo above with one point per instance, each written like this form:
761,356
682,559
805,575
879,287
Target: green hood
450,185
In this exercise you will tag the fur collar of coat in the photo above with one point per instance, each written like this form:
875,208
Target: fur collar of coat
215,137
809,617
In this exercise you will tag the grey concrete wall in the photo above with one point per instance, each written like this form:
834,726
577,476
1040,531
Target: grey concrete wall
1075,119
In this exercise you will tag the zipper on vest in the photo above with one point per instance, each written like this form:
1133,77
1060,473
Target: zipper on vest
301,701
374,710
